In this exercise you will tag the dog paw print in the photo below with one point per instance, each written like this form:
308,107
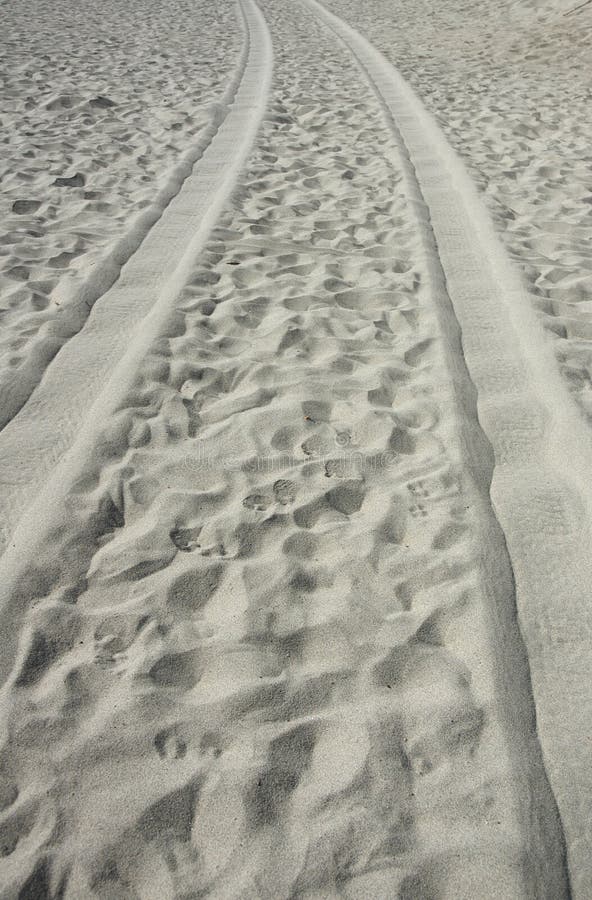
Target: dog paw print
185,539
419,493
284,491
169,744
258,502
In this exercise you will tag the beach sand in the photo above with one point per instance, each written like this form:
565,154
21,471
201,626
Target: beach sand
105,110
295,503
509,84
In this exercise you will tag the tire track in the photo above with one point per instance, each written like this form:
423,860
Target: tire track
61,305
485,366
105,352
533,427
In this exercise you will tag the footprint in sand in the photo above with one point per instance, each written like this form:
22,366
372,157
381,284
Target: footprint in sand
170,745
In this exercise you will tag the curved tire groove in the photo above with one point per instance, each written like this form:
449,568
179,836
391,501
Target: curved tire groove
524,427
97,365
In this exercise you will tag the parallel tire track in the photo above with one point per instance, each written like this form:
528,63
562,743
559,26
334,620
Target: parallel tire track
98,363
512,384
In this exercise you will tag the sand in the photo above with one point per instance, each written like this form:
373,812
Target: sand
105,109
294,576
509,84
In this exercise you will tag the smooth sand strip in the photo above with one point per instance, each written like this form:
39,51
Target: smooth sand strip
541,485
99,363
